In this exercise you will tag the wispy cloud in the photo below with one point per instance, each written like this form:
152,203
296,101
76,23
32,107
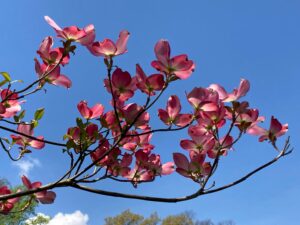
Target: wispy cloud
26,165
76,218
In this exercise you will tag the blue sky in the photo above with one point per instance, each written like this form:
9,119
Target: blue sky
228,40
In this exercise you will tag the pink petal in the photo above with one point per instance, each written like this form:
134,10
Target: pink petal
164,116
162,51
2,108
120,78
84,109
197,157
26,182
183,120
159,66
104,48
221,91
140,74
275,126
256,130
47,198
36,184
63,81
97,110
173,106
45,46
181,62
181,161
188,145
25,129
243,88
122,42
156,81
37,144
52,23
183,172
89,37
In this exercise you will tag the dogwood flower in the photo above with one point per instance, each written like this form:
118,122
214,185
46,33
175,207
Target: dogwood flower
25,141
172,113
8,205
276,130
84,36
149,85
235,95
180,65
54,77
107,48
44,197
90,113
11,106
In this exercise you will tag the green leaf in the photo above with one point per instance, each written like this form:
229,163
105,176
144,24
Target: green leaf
21,115
79,123
39,113
16,118
6,76
70,144
35,123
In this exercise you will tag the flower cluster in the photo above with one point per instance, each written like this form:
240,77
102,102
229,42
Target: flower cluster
115,140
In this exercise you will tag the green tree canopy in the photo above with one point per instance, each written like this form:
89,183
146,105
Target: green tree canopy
23,209
185,218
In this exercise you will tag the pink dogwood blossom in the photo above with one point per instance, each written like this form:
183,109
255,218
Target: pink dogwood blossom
25,141
53,75
52,56
201,141
149,85
235,95
84,36
8,205
180,65
123,85
108,48
172,113
44,197
11,106
203,99
276,130
194,169
90,113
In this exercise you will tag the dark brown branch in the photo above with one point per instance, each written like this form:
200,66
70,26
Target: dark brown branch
200,192
33,138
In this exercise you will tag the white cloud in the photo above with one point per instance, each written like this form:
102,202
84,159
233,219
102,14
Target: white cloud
76,218
26,165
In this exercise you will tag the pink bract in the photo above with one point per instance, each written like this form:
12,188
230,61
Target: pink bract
84,36
44,197
10,107
108,48
149,85
276,130
123,85
180,65
7,206
90,113
51,75
235,95
23,141
52,56
172,113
